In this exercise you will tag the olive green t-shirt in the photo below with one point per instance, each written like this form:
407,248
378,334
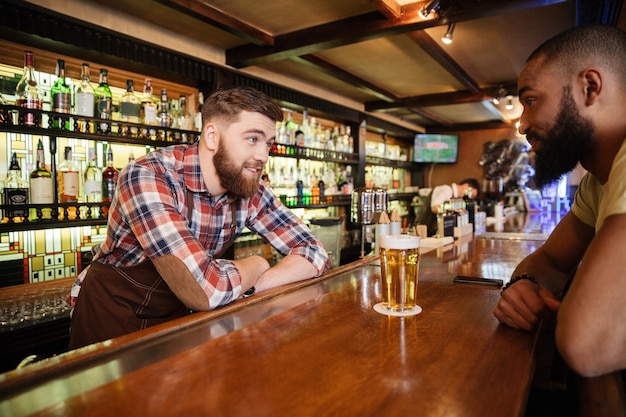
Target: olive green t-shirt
595,202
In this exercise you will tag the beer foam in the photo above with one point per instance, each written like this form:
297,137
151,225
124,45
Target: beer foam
399,241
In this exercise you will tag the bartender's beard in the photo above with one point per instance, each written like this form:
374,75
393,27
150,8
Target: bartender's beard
231,176
564,145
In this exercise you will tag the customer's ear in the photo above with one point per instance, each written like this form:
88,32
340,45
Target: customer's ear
593,83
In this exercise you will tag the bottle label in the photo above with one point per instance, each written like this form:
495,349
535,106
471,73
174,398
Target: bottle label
85,104
41,190
61,103
15,197
131,110
108,189
149,115
93,191
104,108
70,183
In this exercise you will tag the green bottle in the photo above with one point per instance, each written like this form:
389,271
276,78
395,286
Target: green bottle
61,98
104,102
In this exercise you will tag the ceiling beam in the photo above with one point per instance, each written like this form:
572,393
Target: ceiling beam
389,8
441,99
345,76
433,49
226,22
365,27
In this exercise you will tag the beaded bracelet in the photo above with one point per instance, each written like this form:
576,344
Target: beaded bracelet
519,278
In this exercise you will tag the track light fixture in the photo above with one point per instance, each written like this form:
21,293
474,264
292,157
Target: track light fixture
502,93
509,102
428,9
447,38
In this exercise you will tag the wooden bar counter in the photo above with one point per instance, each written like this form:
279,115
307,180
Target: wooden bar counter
309,349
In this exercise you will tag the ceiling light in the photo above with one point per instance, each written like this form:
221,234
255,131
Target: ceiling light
501,95
428,9
447,38
509,103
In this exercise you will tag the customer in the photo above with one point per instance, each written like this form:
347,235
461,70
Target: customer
176,209
439,195
573,89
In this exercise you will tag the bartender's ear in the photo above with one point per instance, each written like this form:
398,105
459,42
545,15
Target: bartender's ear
210,136
592,84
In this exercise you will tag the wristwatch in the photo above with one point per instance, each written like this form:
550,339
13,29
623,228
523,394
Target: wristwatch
248,293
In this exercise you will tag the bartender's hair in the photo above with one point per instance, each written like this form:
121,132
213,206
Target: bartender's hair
472,182
595,44
227,103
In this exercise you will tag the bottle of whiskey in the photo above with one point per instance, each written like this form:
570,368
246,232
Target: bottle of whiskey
92,179
104,102
41,186
163,116
109,177
85,101
15,191
130,109
198,116
68,182
185,121
148,110
61,98
27,92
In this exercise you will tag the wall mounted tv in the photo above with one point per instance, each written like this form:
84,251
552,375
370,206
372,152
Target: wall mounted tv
435,148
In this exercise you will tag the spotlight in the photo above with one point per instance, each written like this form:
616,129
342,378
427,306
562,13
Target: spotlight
509,103
447,38
428,9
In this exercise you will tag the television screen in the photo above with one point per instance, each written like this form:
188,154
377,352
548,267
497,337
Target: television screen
436,148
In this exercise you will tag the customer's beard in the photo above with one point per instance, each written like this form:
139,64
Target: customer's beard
232,177
564,145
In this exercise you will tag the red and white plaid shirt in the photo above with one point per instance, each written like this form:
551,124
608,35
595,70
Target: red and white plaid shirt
148,219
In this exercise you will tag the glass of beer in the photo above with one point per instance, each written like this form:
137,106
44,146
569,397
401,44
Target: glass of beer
399,272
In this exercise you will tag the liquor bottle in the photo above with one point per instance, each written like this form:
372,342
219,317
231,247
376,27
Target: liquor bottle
85,100
104,101
198,117
163,116
148,110
41,186
15,191
27,92
92,179
61,98
185,121
109,177
68,178
173,111
130,107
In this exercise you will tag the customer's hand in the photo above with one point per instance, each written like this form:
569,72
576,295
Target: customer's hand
522,305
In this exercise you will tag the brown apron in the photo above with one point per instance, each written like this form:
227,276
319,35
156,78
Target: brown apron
115,301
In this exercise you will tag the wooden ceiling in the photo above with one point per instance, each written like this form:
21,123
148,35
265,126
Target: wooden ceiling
380,54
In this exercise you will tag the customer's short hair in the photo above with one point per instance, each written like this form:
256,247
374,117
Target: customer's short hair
594,44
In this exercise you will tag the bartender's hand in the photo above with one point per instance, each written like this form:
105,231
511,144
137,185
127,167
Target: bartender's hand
251,268
523,303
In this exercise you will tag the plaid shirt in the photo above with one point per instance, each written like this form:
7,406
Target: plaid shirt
148,219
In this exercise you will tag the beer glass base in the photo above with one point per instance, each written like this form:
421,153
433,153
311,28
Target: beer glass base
380,308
